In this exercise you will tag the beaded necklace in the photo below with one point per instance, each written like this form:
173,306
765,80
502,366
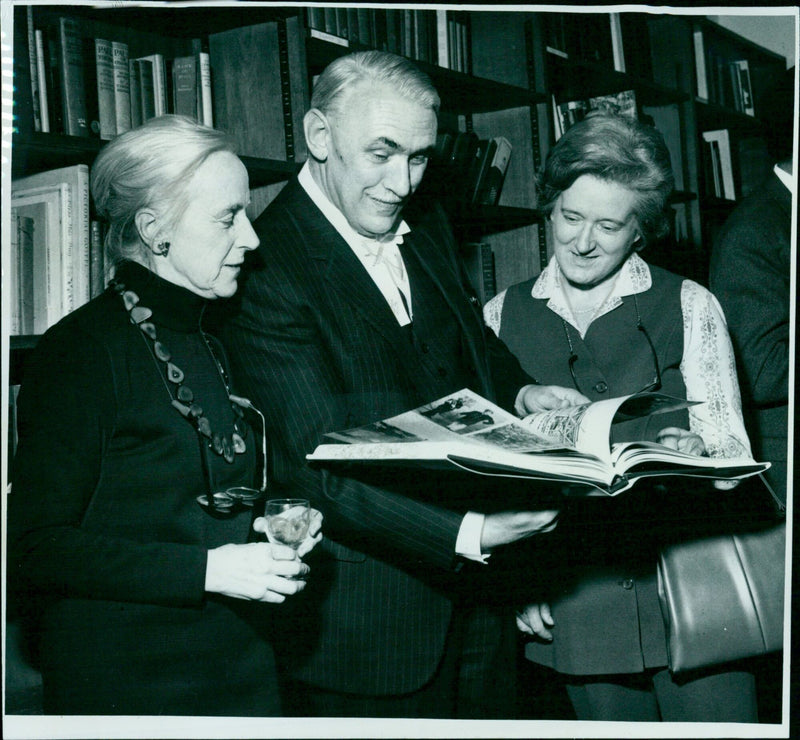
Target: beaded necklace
227,446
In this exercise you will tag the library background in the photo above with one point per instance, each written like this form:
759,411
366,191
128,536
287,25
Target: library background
511,82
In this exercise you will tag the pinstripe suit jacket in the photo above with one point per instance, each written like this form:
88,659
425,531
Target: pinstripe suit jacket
317,348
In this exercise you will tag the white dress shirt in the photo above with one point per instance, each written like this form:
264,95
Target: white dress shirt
384,264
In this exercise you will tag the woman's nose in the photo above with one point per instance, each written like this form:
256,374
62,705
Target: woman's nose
584,243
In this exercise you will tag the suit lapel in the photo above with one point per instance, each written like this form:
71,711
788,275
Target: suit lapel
340,269
432,258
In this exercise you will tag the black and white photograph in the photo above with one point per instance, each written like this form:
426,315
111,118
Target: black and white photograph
234,231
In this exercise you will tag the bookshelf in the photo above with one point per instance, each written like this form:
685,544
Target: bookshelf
695,54
514,66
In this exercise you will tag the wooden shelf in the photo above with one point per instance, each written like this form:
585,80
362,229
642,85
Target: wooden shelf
20,348
578,80
37,151
484,220
460,93
714,116
182,19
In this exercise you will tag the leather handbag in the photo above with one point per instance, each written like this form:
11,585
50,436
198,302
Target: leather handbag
722,597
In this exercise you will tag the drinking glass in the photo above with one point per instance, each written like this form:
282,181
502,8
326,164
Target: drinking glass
288,520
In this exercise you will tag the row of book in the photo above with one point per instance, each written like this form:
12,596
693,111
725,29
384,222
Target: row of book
734,168
569,113
600,38
56,258
720,79
438,37
87,86
467,170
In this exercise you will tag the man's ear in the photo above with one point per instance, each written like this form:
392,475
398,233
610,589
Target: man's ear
147,224
318,134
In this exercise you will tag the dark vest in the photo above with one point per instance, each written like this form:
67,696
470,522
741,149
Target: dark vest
614,358
435,336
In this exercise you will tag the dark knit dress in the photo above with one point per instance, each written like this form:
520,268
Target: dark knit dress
108,545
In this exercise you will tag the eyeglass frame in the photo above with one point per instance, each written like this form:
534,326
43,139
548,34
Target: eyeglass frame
654,385
225,503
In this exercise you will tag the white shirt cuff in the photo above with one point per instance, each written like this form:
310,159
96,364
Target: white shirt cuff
468,542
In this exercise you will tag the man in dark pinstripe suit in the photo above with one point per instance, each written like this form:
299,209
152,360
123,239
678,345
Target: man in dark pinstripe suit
357,310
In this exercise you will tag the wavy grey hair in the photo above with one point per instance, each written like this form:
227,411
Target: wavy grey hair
619,150
149,167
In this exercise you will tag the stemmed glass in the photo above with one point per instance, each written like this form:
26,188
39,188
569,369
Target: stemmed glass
288,520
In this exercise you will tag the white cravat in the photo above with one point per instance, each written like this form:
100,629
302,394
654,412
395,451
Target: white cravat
384,263
381,258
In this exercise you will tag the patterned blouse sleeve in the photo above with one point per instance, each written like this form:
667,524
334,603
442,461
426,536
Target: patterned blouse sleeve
492,312
709,373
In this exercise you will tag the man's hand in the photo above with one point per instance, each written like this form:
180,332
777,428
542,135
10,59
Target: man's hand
534,398
536,620
509,526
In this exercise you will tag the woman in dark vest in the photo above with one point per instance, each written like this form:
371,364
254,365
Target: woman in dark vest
151,594
614,325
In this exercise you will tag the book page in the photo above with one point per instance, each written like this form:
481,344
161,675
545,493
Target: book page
587,428
463,416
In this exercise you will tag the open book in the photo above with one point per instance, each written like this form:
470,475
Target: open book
571,445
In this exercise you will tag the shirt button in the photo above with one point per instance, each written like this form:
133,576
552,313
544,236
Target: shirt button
442,372
473,300
627,584
425,348
601,387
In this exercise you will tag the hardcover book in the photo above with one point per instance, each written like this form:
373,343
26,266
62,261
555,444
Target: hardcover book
464,431
106,107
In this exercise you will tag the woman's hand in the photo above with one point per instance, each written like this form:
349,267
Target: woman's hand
257,571
682,441
313,537
693,444
537,398
536,620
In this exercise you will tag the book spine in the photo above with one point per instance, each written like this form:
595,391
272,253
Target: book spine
146,88
442,45
81,237
25,273
298,86
90,86
33,65
104,62
73,89
488,273
122,86
206,104
492,183
700,66
15,283
743,67
736,86
53,69
96,260
479,168
159,83
41,73
617,48
184,81
68,256
135,91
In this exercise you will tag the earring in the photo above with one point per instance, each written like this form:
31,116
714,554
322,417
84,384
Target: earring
161,249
